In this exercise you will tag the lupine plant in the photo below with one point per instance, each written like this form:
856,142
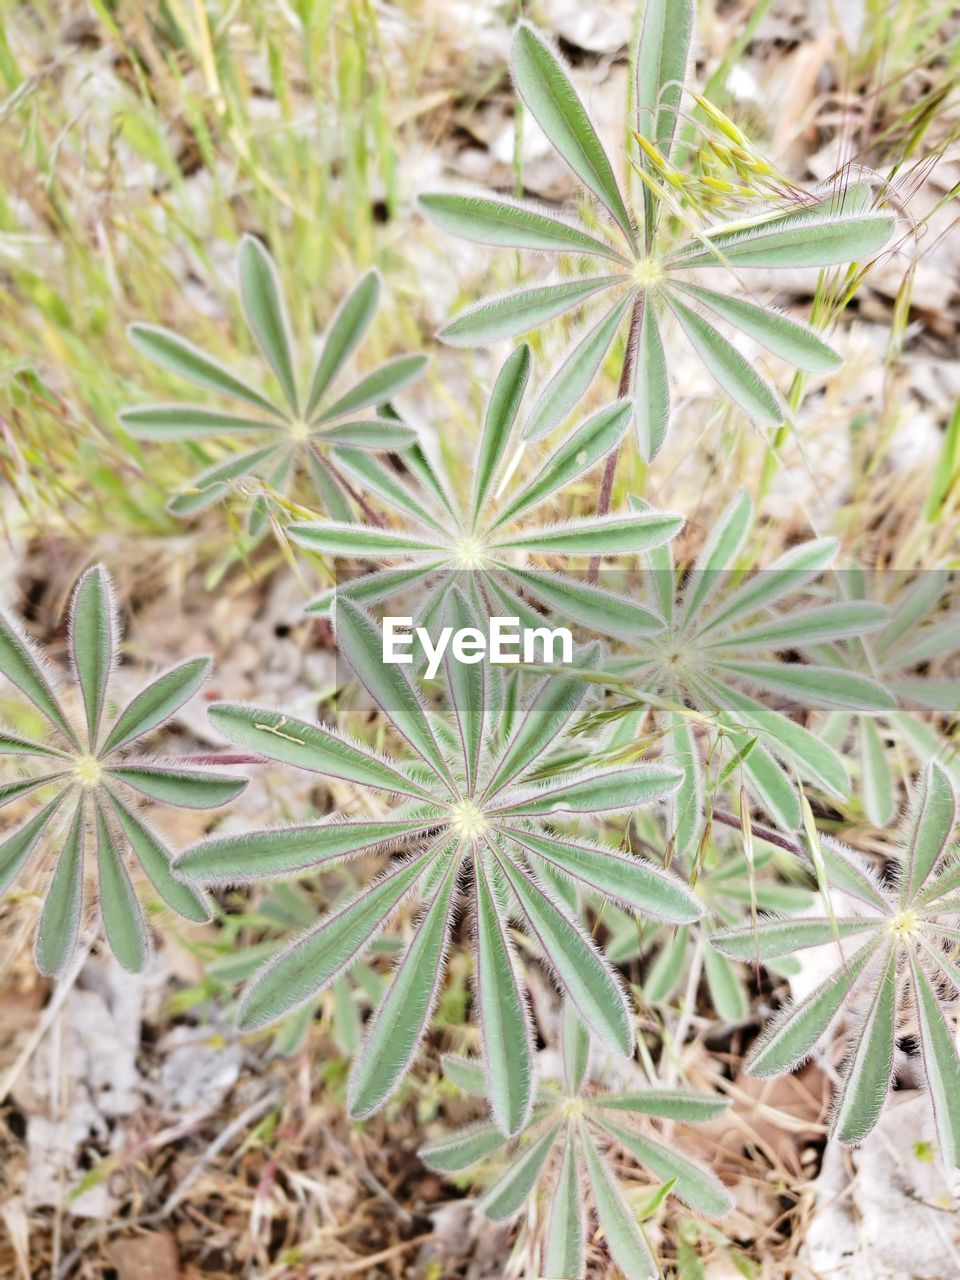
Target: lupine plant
636,256
901,940
302,423
470,810
489,534
90,770
565,817
722,651
567,1142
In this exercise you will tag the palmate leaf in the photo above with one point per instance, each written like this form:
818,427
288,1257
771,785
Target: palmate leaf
93,773
294,442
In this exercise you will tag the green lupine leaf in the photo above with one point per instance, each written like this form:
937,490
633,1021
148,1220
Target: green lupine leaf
494,319
789,1038
663,977
22,666
930,825
155,858
10,791
565,1235
14,744
809,238
847,871
583,973
188,422
501,416
814,757
726,991
634,882
805,626
695,1185
380,385
345,333
190,788
17,847
670,1104
302,970
816,685
374,433
556,106
462,1149
511,224
280,852
508,1193
122,918
466,1073
797,343
766,777
360,639
662,53
544,719
867,1075
374,587
941,1067
266,313
401,1019
687,801
157,702
212,485
313,747
719,553
166,348
359,541
591,606
581,451
384,481
468,688
605,791
787,573
651,386
735,375
615,535
92,644
60,918
769,938
507,1049
879,788
577,371
625,1239
574,1047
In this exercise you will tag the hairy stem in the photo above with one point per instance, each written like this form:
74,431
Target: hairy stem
623,390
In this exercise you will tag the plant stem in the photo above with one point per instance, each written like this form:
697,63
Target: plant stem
623,390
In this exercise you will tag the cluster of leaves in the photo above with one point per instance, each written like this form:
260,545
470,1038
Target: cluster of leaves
635,257
91,767
489,787
567,1138
304,424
